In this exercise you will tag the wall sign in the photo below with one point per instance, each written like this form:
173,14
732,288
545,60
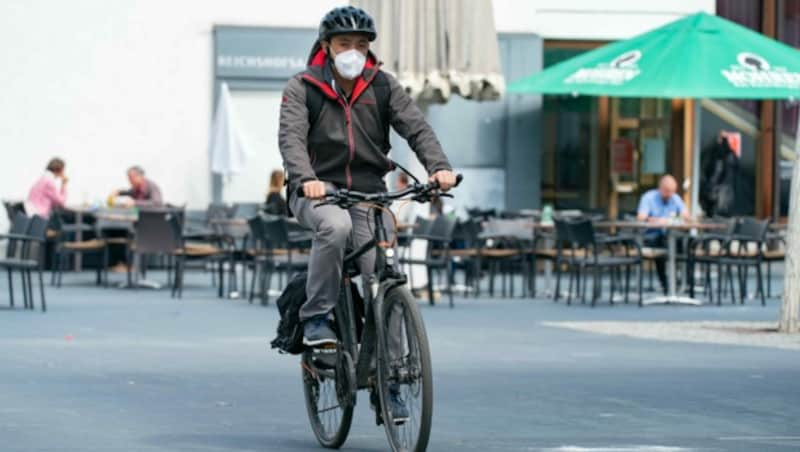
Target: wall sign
261,53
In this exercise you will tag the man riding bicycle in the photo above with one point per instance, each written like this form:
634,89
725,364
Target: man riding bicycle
334,133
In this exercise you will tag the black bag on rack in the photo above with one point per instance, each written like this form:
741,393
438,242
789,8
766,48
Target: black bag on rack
290,329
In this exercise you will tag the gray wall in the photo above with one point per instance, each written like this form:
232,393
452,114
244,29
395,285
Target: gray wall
522,57
495,144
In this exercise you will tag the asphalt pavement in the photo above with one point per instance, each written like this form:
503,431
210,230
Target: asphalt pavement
133,370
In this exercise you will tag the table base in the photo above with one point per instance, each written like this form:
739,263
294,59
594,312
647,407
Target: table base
672,299
141,284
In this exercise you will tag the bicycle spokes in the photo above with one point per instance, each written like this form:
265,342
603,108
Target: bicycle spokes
406,376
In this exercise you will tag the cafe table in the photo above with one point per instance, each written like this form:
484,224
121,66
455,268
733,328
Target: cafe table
671,230
124,217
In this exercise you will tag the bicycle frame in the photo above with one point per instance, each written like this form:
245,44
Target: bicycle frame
379,284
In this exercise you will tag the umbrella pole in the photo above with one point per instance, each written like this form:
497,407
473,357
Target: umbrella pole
789,322
695,173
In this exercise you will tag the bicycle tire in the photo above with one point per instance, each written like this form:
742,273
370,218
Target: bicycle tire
413,435
330,430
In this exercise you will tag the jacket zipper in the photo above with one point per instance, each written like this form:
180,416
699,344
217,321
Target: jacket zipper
347,111
349,122
350,140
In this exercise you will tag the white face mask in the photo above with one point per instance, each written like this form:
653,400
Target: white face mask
350,63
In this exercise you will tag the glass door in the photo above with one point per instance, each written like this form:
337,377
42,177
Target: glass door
639,135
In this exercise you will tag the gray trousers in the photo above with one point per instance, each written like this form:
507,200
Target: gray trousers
336,230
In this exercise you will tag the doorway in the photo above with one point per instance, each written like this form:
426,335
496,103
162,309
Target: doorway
639,140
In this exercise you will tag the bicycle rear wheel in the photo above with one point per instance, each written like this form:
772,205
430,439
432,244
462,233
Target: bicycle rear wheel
330,409
406,370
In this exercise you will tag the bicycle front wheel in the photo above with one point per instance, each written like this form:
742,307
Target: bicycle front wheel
405,373
330,411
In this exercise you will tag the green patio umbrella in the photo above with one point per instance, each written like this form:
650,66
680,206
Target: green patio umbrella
698,56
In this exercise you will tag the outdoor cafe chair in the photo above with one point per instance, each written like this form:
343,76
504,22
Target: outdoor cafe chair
595,253
438,257
66,246
744,249
246,209
14,240
704,251
466,253
12,208
25,253
508,248
774,251
277,250
159,232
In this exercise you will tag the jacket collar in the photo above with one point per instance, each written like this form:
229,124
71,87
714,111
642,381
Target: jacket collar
320,74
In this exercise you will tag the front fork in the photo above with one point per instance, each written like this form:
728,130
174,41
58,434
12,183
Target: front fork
374,344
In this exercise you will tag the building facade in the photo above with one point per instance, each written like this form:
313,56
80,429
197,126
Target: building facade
109,84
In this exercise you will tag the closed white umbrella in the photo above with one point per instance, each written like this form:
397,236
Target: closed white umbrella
439,47
473,57
229,151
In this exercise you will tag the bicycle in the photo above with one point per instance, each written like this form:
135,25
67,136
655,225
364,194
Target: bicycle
364,359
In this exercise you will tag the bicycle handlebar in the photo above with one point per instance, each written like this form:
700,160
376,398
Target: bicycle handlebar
420,192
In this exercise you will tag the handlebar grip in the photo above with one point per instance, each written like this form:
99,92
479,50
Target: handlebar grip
301,194
459,178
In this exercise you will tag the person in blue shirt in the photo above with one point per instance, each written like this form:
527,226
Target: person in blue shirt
660,206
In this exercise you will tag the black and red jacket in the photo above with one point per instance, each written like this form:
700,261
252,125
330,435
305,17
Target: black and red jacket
347,144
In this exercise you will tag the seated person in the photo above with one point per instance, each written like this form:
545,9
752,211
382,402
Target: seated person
49,191
275,204
660,206
143,192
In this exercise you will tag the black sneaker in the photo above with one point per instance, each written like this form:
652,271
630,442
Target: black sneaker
399,410
317,331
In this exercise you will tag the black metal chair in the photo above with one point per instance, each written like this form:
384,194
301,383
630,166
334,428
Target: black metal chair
775,251
508,248
704,251
466,253
159,232
26,254
277,250
66,246
745,249
438,257
12,208
35,256
246,209
597,253
14,240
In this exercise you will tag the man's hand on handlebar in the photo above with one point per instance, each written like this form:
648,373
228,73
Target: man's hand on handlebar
314,189
446,179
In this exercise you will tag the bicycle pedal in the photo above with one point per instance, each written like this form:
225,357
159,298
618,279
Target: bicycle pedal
325,348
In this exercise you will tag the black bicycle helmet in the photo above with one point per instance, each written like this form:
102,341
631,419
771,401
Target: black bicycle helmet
346,19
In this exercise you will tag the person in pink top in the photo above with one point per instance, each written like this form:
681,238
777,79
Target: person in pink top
49,191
